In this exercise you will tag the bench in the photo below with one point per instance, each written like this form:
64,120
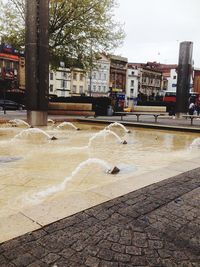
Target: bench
138,114
191,117
154,111
151,109
80,109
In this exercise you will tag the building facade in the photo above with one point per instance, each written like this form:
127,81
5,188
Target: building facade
132,82
118,76
169,73
60,82
78,82
171,79
12,69
150,83
196,81
99,77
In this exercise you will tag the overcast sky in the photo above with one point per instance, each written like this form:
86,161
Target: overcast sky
155,28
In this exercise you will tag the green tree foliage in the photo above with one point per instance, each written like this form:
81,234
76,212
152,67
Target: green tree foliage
12,26
76,28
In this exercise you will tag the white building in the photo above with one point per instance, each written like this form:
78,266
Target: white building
132,82
99,77
172,80
60,82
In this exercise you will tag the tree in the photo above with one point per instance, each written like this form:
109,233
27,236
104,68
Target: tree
76,27
12,26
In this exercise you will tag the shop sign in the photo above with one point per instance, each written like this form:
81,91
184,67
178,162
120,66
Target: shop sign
116,90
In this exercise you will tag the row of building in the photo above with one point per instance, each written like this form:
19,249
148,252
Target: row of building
113,76
110,76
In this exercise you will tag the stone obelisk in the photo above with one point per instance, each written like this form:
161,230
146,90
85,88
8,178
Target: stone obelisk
184,77
37,61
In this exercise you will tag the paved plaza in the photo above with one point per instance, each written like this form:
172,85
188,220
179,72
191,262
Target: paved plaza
158,225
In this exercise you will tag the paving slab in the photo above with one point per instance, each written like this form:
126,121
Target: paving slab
158,225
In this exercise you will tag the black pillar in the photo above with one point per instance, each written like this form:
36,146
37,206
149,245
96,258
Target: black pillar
37,60
184,77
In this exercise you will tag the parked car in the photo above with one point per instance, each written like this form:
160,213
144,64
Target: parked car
10,105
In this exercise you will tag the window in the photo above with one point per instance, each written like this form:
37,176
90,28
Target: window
104,76
94,75
51,76
8,65
157,82
99,88
51,88
94,88
81,77
81,89
174,77
15,65
104,89
63,84
132,73
64,74
75,76
132,83
74,89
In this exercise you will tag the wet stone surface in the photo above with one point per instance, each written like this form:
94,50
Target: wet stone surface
158,225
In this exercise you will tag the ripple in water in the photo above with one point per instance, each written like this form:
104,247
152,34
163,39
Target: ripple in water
8,159
195,143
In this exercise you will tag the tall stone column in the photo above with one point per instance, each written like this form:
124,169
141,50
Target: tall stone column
184,77
37,61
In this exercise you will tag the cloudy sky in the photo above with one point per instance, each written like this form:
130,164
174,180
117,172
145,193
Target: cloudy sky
155,28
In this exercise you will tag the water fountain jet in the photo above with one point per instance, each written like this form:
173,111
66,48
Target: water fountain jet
60,187
50,121
117,124
195,143
18,122
34,131
63,124
103,133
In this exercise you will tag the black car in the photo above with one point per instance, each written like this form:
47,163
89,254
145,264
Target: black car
10,105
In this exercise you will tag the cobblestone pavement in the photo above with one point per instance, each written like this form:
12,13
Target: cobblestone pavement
158,225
